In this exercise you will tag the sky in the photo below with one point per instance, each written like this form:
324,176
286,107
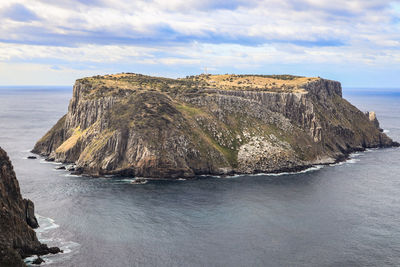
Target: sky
47,42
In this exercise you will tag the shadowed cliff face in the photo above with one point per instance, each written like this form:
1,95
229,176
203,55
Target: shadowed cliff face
17,220
137,125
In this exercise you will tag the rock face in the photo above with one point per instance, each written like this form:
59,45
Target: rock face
372,117
17,220
131,124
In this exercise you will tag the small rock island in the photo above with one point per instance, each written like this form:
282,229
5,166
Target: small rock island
135,125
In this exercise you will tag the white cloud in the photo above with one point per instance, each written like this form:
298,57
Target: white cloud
223,35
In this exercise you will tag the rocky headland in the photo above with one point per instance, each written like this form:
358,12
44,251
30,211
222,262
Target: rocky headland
136,125
17,220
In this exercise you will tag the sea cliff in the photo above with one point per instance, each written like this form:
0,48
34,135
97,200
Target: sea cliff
17,220
137,125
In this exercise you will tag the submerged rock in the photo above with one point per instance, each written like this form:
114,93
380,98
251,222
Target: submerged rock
31,157
137,125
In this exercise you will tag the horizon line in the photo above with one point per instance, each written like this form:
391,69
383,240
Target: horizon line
71,85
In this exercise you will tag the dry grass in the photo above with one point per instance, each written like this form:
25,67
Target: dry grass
255,82
70,142
110,84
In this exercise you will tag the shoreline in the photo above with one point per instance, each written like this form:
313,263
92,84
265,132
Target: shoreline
294,170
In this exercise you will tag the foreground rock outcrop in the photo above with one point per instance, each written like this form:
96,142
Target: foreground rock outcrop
17,220
136,125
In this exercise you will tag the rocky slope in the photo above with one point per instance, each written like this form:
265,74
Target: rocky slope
17,220
136,125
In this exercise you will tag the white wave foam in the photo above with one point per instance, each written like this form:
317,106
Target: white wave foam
30,260
311,169
207,175
47,234
71,175
46,224
126,180
43,161
352,161
130,181
386,131
69,246
337,164
353,158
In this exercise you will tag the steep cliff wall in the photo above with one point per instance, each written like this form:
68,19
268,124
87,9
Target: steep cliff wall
138,125
17,220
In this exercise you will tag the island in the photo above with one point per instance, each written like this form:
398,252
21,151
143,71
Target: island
142,126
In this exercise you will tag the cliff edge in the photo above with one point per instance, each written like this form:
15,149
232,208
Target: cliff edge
137,125
17,219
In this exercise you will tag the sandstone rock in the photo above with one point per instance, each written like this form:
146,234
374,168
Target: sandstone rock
372,118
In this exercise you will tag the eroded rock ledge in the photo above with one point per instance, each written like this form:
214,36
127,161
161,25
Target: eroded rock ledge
137,125
17,220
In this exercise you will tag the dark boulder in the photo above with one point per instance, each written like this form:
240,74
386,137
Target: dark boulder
55,250
38,261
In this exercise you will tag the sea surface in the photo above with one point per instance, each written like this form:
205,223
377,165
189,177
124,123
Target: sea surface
342,215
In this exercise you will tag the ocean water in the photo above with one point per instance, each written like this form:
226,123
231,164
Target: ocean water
347,214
